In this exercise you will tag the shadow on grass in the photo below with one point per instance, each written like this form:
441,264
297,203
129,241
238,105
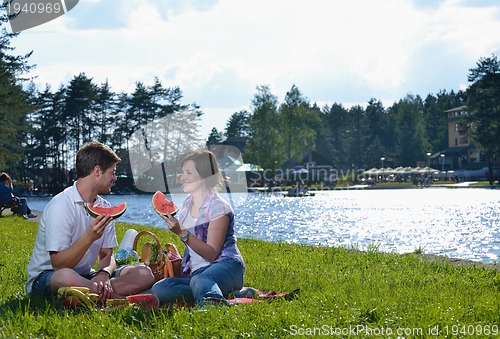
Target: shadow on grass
30,303
42,306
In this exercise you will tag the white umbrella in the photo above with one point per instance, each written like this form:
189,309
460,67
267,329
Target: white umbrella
299,171
371,171
409,170
249,168
427,169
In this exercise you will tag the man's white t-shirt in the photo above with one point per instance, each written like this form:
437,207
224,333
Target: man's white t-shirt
63,222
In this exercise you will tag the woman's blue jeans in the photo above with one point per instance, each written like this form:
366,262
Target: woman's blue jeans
216,281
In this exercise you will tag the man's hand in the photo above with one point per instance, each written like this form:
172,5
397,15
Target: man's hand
104,287
97,226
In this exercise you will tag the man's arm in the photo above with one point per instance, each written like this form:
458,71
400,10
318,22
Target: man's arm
71,256
106,265
106,260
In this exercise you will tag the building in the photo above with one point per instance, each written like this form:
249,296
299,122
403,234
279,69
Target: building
461,152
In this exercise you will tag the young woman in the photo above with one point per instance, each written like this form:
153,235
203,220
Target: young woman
212,263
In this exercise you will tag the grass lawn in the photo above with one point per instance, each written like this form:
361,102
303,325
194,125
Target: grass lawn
344,293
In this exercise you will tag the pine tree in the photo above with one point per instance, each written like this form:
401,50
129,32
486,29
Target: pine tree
483,103
14,101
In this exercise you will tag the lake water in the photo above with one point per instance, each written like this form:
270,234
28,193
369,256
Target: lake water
460,223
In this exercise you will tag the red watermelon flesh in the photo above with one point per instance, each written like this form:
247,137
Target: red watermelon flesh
148,302
114,211
162,205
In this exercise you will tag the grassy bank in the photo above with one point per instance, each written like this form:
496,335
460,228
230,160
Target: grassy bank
343,292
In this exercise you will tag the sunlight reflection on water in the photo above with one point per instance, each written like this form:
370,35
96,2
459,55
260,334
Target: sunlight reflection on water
459,223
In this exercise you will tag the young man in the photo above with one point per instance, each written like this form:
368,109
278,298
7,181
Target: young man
69,241
7,197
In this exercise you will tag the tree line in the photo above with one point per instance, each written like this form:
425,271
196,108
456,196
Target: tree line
61,121
274,135
41,130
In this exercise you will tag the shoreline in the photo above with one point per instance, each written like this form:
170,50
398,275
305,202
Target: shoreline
456,261
317,188
388,186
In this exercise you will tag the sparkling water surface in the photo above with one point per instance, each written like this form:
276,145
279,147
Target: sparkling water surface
460,223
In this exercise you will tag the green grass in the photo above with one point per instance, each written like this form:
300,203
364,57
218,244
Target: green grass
342,290
485,183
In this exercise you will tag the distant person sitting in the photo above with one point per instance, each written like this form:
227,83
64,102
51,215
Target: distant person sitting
7,197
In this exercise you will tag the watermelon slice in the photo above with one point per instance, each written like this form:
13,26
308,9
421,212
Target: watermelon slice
162,205
114,211
148,302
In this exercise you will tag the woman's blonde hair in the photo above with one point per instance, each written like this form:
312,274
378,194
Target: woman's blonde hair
208,168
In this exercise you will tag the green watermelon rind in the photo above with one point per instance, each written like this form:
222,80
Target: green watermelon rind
159,212
94,214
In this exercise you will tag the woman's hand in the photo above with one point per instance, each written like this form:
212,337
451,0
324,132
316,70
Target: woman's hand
173,224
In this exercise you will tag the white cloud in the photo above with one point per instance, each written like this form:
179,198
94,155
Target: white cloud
343,51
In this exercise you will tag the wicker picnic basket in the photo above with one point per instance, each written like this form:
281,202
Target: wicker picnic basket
157,259
174,262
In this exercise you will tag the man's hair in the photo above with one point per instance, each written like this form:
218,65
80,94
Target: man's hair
4,177
94,154
207,167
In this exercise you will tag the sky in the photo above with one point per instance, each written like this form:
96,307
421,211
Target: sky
218,51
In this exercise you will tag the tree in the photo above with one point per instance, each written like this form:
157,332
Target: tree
215,137
141,108
483,104
168,100
79,113
238,125
335,124
357,136
412,141
265,147
14,101
485,66
237,131
47,151
298,124
105,102
436,120
149,103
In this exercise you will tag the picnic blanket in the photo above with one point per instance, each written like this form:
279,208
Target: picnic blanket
250,295
80,297
246,295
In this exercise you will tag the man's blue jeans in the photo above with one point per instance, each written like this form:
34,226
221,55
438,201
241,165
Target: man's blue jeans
216,281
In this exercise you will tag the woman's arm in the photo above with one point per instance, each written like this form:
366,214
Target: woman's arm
217,230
